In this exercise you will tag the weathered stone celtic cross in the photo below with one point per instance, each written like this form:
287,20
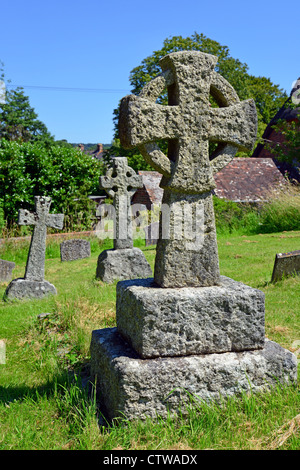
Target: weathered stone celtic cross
33,284
120,183
40,219
203,334
189,123
124,261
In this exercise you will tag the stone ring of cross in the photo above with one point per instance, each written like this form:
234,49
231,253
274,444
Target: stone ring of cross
120,179
188,122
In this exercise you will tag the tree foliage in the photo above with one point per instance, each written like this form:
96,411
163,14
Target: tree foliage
31,169
288,149
18,120
268,97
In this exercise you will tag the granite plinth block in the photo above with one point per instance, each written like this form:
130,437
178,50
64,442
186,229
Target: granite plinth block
177,322
29,289
131,387
115,265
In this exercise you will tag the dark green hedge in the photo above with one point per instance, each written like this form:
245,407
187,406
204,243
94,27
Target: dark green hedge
67,175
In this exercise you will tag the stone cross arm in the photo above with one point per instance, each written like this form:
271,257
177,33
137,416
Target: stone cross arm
41,215
55,221
148,122
187,165
31,218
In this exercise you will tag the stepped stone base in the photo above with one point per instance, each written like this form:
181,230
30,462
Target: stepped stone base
135,388
160,322
29,289
129,263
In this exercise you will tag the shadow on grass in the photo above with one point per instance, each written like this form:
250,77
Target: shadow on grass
79,376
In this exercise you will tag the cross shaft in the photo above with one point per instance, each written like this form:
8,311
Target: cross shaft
120,183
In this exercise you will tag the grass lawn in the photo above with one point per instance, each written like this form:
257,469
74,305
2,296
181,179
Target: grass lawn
45,405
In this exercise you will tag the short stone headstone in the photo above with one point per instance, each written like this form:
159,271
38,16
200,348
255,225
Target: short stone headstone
6,268
33,285
75,249
124,261
188,331
286,264
151,233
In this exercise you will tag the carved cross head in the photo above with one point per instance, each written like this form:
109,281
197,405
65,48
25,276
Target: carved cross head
41,215
120,179
188,122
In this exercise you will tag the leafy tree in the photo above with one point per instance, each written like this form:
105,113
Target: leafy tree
287,149
268,97
18,120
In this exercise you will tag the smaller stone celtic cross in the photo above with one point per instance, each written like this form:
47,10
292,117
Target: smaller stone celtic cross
120,183
33,284
40,219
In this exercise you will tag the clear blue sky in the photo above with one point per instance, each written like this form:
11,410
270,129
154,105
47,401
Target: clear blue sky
94,44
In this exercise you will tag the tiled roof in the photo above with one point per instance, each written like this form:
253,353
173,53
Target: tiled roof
151,193
242,180
248,179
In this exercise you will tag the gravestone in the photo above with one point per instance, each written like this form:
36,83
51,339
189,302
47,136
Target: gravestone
286,264
33,285
124,261
188,330
75,249
6,268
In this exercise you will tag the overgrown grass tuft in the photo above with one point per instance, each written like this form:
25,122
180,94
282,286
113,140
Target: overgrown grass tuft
281,212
